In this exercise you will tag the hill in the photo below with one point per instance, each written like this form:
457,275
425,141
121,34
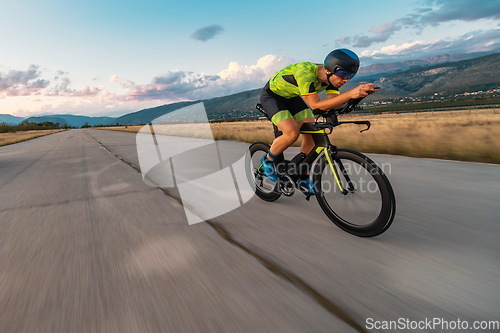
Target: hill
52,119
147,115
381,69
62,119
450,78
445,79
240,105
73,121
10,120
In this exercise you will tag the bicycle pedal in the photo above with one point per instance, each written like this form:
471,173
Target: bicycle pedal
306,192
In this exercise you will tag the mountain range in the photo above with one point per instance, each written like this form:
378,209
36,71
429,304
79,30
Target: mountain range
10,120
395,67
408,78
477,74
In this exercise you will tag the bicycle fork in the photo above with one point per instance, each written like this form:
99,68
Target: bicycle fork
329,153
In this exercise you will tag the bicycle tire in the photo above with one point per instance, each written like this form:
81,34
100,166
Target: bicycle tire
367,209
269,190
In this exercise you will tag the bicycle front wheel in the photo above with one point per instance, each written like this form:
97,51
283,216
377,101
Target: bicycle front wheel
354,193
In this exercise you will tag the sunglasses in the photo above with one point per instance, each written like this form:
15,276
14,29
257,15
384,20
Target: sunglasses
343,73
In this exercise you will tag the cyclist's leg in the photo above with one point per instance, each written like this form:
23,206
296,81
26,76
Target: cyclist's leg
307,145
307,139
291,133
305,116
280,111
277,110
301,113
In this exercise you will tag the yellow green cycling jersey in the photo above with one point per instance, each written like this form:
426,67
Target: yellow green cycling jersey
300,79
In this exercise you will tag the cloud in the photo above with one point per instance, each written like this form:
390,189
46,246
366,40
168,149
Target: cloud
476,41
25,92
26,83
397,49
169,87
378,34
121,81
206,33
384,28
171,77
464,10
22,83
436,12
61,87
181,85
173,86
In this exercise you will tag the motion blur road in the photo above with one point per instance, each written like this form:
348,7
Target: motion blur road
87,246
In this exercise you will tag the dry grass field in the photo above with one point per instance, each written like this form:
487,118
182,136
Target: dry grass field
9,138
470,135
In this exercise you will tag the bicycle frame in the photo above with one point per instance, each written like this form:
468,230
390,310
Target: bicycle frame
323,146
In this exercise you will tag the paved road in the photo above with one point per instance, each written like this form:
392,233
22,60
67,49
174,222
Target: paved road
86,246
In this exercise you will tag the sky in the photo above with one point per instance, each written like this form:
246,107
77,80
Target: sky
109,58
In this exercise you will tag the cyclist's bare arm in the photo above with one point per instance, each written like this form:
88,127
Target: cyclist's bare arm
335,100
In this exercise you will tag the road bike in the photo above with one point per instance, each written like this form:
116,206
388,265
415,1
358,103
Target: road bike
351,189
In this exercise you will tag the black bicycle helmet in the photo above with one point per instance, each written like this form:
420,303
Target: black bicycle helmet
343,58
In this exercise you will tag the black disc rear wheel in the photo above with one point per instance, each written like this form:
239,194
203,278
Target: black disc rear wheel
264,188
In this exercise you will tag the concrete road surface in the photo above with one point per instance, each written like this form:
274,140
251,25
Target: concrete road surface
87,246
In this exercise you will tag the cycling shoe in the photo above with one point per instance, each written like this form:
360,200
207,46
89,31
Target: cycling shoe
307,184
268,169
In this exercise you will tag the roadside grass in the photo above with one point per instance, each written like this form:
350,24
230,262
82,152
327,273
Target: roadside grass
466,136
15,137
469,135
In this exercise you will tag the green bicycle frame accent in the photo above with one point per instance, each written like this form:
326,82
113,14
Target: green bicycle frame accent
313,132
322,144
332,167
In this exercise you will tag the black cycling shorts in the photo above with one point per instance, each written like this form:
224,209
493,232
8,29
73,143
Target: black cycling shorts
279,108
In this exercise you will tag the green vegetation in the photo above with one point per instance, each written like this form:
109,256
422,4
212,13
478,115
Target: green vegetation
434,105
31,126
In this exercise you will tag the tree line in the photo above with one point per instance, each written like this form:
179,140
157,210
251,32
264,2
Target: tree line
26,125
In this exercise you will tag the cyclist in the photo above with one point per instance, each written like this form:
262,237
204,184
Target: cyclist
292,93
